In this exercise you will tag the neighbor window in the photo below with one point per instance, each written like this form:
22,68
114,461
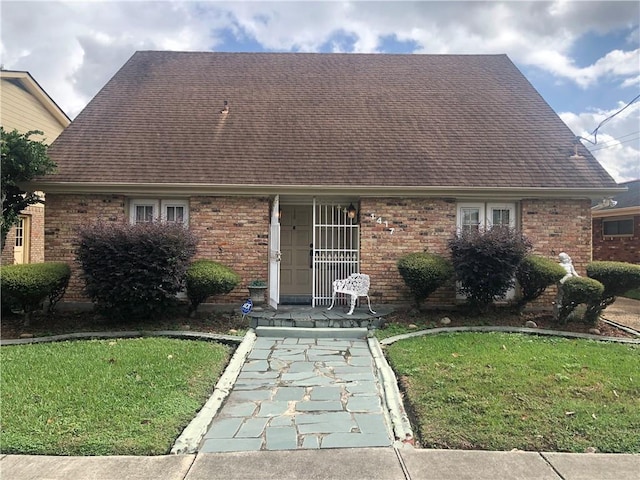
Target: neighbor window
150,210
617,227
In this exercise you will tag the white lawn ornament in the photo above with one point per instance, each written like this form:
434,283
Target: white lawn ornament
357,285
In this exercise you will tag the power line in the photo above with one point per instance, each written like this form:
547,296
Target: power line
614,145
616,140
595,131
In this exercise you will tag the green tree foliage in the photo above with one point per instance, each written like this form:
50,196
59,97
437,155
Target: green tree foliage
485,262
424,273
23,159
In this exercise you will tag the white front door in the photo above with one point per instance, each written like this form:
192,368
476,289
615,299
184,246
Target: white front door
274,255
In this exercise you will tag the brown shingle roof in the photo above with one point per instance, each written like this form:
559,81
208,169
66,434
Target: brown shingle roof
322,119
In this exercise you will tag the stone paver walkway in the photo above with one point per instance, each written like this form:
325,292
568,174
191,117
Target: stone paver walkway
302,393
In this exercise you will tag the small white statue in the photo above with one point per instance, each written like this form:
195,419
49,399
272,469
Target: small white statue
565,262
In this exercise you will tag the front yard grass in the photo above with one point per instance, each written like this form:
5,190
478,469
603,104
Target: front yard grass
104,397
494,391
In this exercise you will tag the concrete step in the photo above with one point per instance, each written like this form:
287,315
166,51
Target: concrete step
317,332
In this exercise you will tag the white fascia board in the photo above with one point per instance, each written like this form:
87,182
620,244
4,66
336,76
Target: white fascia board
194,189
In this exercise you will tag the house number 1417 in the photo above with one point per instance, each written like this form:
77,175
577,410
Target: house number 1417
386,224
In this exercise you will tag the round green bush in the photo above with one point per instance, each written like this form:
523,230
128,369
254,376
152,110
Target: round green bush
424,273
580,290
535,274
206,278
28,285
617,278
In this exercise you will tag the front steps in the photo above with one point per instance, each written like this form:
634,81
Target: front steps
296,316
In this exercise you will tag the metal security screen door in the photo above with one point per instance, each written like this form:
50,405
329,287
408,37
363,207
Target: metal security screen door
336,252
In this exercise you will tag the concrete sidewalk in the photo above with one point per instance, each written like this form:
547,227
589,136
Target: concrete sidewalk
353,464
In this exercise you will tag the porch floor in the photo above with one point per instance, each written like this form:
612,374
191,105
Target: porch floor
306,316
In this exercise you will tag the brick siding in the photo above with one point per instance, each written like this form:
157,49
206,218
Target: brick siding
616,249
65,214
235,231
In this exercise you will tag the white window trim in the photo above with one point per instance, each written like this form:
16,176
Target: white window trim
159,208
501,206
481,216
142,202
174,203
484,218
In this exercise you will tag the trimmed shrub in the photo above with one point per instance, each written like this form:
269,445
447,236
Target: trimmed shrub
424,273
134,270
485,262
580,290
534,275
617,278
28,285
206,278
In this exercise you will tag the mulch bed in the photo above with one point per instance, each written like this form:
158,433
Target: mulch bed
229,323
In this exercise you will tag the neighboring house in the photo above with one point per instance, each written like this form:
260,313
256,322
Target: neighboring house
303,168
616,226
25,106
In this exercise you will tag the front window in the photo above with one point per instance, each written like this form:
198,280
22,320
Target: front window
165,210
144,213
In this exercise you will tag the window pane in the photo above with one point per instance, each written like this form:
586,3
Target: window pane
175,214
144,213
171,214
500,217
470,218
618,227
20,232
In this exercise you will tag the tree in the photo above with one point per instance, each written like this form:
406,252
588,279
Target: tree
23,159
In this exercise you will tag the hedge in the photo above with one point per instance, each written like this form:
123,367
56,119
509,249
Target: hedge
206,278
29,285
424,273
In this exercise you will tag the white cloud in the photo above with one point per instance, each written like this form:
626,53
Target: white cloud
618,140
73,48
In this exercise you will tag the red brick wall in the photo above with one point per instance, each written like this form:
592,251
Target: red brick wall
419,225
235,232
65,213
231,230
616,249
553,226
556,226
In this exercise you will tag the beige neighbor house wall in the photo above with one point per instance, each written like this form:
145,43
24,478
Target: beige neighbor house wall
235,231
25,106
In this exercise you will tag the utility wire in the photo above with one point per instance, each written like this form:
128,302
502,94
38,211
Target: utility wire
595,131
614,145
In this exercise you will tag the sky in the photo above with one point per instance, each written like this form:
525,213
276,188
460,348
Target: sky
583,57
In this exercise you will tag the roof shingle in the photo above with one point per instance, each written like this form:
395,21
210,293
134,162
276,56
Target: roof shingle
322,119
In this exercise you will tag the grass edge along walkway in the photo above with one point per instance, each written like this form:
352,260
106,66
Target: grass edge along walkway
499,391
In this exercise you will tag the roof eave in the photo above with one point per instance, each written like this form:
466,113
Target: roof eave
190,189
616,212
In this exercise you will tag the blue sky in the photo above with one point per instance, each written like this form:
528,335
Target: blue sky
582,56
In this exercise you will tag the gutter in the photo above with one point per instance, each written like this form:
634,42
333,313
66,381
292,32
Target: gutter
190,189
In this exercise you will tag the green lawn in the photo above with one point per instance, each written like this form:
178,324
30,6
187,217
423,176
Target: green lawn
503,391
104,397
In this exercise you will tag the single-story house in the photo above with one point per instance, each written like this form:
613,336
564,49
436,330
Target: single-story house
302,168
616,226
26,106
